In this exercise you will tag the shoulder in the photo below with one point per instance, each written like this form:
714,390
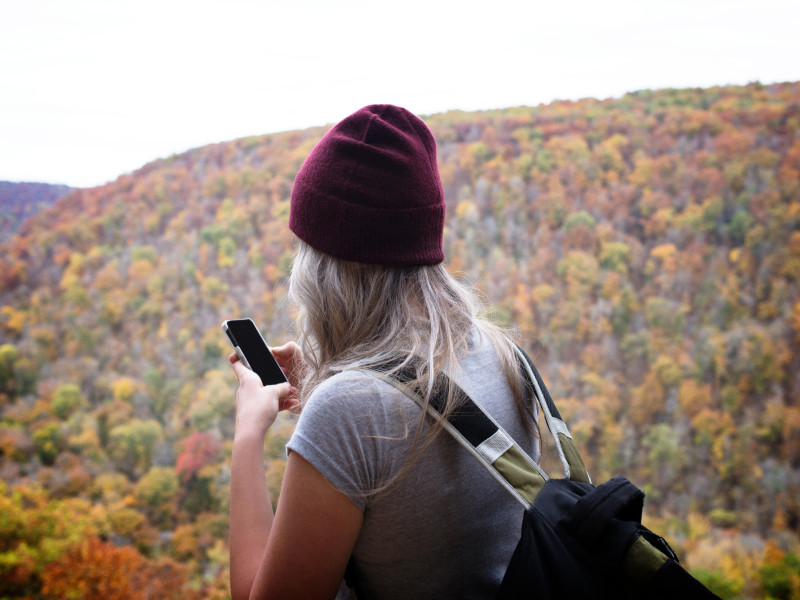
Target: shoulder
345,383
480,363
356,404
355,393
345,429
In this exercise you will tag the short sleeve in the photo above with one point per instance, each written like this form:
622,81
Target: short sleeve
346,429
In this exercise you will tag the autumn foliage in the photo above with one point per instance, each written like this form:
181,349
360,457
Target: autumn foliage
646,249
97,570
199,450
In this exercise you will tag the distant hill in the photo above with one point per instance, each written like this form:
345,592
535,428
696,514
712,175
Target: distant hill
19,201
645,248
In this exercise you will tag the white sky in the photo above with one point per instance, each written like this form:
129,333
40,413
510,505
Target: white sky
92,89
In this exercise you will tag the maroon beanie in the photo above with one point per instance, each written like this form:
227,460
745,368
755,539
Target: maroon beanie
370,191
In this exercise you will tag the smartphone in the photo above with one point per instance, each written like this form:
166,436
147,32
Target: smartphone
253,350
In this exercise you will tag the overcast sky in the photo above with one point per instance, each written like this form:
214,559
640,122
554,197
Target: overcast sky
92,89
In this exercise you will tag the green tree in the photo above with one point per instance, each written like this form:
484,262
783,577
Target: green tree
66,400
157,486
17,373
49,441
780,574
614,256
131,444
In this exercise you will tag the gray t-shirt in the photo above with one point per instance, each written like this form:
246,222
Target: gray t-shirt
446,528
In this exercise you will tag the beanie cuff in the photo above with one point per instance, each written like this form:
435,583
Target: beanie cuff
389,236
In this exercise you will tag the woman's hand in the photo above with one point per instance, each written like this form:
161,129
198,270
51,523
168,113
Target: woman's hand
257,406
290,359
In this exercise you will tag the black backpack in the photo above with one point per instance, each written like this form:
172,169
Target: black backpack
578,540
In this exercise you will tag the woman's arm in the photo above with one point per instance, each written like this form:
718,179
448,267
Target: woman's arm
251,513
312,538
303,551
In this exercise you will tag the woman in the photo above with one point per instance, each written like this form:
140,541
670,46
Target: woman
370,480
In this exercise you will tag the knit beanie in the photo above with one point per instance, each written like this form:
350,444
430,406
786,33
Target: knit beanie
370,191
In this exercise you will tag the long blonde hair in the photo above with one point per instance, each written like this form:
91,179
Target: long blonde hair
353,316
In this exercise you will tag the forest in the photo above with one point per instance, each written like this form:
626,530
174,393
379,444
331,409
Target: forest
20,201
645,250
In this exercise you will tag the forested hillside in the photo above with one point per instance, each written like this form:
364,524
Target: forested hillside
19,201
646,249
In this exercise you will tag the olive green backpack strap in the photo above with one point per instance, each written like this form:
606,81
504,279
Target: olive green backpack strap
571,461
486,440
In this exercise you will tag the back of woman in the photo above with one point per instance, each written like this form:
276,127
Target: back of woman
371,480
443,528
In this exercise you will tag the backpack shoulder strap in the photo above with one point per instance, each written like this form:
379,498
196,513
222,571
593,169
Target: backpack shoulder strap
486,440
571,461
477,432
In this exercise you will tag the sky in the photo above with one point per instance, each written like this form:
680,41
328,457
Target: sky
93,89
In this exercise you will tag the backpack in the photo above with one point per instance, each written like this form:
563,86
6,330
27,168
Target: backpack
577,540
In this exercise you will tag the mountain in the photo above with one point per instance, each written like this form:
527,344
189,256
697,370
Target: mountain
19,201
646,249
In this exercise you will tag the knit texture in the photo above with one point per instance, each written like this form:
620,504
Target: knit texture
370,191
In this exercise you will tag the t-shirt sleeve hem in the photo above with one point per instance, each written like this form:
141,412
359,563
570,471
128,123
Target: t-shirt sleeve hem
329,469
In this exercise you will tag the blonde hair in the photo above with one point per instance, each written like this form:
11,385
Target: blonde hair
355,316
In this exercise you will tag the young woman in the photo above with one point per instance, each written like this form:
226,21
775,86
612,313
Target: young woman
371,481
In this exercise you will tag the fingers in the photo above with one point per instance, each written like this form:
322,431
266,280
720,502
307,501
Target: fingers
290,358
286,393
287,396
288,404
288,355
287,350
242,372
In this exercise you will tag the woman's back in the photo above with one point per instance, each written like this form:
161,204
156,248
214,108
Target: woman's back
442,529
368,208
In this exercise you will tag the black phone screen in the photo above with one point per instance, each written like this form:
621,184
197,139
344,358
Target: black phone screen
244,335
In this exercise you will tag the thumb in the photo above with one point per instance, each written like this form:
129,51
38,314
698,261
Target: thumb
287,350
243,373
